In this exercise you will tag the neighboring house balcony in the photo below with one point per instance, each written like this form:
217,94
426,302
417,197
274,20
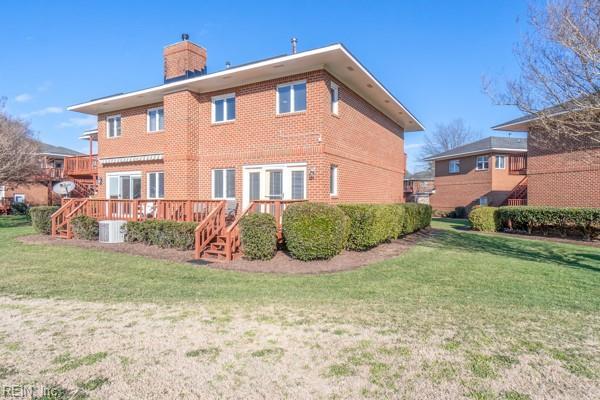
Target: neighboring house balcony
517,164
52,174
81,165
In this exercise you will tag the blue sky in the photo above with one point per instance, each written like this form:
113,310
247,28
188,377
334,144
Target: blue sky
431,54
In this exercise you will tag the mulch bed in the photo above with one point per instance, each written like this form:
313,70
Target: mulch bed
281,263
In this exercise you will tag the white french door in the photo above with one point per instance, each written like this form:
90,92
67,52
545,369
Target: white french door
274,182
123,186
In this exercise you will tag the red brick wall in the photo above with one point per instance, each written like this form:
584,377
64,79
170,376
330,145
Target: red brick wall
562,179
36,194
466,187
367,147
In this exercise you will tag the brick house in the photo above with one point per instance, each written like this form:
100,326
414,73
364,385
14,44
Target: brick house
418,186
556,176
490,171
311,125
39,190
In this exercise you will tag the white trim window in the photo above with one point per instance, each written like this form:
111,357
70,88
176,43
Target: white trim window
156,185
333,180
19,198
223,108
291,97
482,163
113,126
2,191
334,92
155,119
500,162
454,166
223,184
483,201
124,185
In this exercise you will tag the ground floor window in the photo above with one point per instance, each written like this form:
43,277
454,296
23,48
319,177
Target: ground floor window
156,185
333,178
223,183
2,192
483,201
124,185
274,182
19,198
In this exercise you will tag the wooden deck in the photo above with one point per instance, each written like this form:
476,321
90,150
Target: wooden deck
217,234
81,165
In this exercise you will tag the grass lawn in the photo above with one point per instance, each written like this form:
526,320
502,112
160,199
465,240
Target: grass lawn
462,315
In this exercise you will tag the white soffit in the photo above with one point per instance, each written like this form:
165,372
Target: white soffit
335,59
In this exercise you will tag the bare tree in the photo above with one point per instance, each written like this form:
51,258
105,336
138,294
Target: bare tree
560,73
18,151
448,136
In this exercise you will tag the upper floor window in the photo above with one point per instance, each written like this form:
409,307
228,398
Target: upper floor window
482,163
291,97
223,108
156,185
500,162
156,119
113,126
223,183
334,92
454,166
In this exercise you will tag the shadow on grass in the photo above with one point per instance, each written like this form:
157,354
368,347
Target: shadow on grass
13,221
517,248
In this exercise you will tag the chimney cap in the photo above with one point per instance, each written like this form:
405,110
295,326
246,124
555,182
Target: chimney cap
185,36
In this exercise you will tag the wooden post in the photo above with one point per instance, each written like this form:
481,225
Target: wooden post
188,211
277,218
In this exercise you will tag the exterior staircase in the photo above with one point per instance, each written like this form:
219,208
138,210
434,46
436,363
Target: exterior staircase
518,196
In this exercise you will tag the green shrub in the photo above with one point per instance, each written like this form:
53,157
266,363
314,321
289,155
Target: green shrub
416,217
19,208
460,212
484,219
551,220
165,234
372,224
41,218
258,236
85,227
314,230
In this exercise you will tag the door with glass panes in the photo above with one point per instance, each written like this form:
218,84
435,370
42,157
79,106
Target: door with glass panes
274,182
123,187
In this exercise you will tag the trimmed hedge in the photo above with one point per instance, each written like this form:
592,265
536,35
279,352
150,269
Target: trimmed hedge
41,218
85,227
416,217
372,224
484,219
258,233
165,234
551,220
19,208
314,230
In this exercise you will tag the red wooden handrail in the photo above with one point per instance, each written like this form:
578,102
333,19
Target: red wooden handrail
211,226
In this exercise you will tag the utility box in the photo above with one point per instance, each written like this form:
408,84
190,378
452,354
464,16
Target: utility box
111,231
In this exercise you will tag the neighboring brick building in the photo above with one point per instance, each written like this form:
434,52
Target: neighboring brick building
313,125
418,187
557,177
39,190
489,171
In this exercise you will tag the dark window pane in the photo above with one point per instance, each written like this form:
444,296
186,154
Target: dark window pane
161,119
275,184
297,185
152,186
219,110
231,183
137,188
254,186
284,99
230,108
125,187
300,97
161,185
218,184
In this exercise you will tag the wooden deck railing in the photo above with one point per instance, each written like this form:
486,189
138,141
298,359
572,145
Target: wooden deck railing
517,164
81,165
273,207
516,202
52,173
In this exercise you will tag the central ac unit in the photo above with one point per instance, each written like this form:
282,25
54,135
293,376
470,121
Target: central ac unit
111,231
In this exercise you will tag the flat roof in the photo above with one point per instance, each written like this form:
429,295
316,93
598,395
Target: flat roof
335,59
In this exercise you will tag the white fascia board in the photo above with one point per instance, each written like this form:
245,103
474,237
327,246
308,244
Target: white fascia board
470,153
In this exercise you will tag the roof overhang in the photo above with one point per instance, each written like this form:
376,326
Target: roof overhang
335,59
91,133
472,153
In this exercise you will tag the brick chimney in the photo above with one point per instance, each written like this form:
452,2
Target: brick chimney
183,60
